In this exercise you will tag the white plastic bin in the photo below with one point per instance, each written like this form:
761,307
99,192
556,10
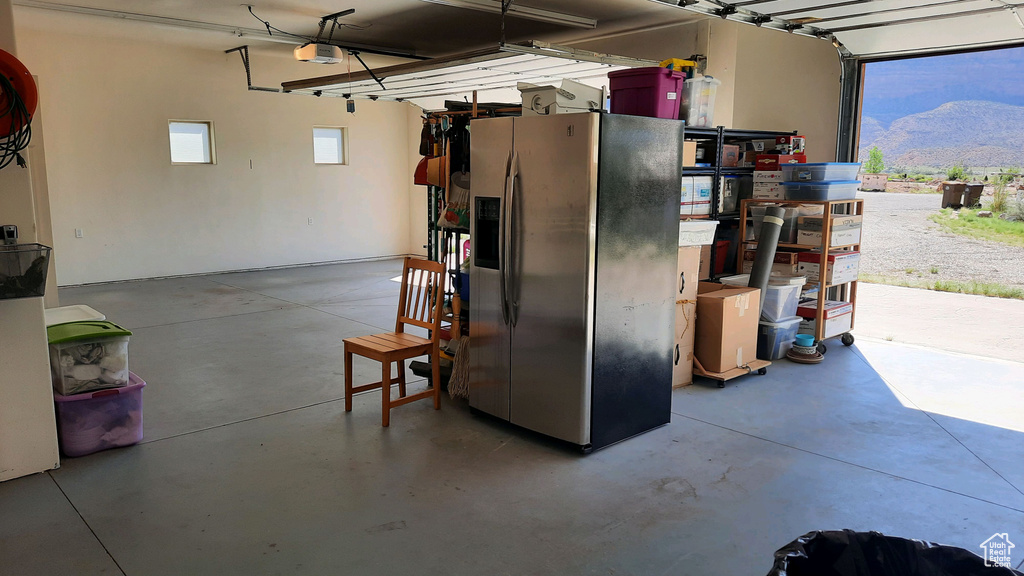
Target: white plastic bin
835,190
697,232
775,339
67,314
698,105
820,171
737,280
780,301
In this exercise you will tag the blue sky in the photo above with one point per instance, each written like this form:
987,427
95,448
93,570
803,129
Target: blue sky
900,87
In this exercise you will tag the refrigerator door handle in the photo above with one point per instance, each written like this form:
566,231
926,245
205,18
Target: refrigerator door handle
503,244
513,308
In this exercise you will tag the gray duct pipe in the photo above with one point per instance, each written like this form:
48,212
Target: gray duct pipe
767,242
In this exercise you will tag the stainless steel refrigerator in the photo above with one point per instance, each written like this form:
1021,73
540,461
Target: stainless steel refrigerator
574,229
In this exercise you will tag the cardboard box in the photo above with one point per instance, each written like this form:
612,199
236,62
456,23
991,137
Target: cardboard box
785,263
727,323
749,158
730,155
842,266
846,229
838,318
686,312
813,223
689,153
774,161
704,272
696,196
840,237
769,191
769,176
791,144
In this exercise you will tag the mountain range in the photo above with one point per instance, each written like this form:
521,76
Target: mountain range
974,133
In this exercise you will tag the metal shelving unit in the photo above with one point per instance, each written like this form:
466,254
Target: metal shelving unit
721,137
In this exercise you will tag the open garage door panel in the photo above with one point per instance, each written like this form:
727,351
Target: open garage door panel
867,29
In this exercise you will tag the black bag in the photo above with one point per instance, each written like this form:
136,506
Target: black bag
849,553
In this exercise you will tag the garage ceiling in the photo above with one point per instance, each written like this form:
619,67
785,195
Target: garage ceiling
483,70
419,27
880,28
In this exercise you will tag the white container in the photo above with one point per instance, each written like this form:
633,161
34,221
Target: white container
780,301
833,190
698,105
737,280
781,280
74,313
570,97
697,232
774,339
820,171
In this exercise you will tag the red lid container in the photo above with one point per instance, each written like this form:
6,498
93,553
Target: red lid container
652,91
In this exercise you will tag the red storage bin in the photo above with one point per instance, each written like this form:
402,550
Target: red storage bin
652,91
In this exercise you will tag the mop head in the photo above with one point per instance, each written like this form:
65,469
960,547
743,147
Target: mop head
458,385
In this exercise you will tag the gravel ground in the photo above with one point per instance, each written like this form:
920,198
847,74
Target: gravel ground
898,237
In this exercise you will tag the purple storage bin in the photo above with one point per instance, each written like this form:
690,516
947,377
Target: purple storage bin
652,91
101,419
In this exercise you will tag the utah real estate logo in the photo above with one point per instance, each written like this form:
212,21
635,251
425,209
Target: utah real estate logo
997,550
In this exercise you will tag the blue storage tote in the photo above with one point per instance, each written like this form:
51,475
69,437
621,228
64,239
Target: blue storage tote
820,171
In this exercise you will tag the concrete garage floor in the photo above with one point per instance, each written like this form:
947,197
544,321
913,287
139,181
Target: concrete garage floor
251,466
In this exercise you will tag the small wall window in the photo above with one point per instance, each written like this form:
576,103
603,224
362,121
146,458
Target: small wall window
191,142
330,145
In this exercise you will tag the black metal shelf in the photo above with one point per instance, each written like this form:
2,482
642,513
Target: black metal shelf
720,134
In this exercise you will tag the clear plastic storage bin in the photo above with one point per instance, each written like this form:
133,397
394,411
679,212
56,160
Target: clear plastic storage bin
775,339
780,301
835,190
99,420
820,171
698,105
86,356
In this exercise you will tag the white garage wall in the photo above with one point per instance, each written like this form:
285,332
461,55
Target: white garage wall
788,82
107,102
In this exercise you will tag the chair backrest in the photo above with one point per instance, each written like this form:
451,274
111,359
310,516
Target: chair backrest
420,302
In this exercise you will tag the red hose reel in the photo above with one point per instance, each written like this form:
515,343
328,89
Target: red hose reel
25,86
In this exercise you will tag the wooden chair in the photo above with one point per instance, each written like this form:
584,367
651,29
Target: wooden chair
418,305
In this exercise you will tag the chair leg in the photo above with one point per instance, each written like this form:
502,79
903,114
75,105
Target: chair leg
435,371
348,380
401,378
385,392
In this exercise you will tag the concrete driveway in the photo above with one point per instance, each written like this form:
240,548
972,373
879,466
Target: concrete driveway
898,237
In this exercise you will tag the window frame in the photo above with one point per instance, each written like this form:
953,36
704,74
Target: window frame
343,130
211,140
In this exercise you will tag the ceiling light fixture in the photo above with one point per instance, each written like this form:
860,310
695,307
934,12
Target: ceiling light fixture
494,7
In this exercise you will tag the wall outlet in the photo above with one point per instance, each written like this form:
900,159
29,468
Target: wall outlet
78,233
309,221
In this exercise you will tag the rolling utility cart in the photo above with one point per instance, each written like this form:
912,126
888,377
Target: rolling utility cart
830,245
759,366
